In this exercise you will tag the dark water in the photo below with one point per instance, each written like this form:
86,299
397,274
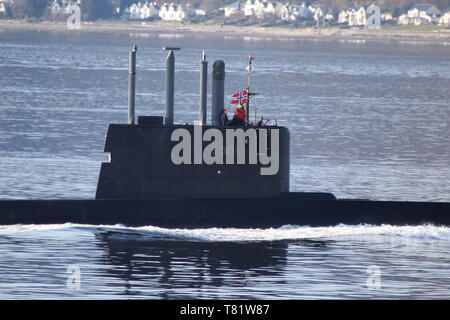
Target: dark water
367,119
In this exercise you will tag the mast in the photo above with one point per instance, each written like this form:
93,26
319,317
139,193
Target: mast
249,71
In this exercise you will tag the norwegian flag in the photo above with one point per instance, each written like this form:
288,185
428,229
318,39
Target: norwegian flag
239,98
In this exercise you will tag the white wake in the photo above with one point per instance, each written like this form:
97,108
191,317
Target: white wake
288,232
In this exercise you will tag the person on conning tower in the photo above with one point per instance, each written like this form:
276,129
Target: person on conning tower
239,117
224,118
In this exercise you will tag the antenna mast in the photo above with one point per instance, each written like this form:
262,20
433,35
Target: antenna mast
249,71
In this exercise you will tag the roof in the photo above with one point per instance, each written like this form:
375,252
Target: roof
305,12
428,8
235,5
422,6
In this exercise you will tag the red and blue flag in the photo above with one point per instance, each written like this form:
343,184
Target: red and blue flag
239,98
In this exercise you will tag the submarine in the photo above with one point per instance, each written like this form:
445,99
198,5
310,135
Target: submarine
206,175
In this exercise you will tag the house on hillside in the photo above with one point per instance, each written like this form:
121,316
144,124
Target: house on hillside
353,17
386,17
329,17
305,12
261,8
444,20
133,11
360,17
344,15
317,13
427,9
174,12
284,13
167,12
3,9
200,12
294,12
149,10
232,9
266,8
57,7
290,12
250,7
420,14
62,8
141,11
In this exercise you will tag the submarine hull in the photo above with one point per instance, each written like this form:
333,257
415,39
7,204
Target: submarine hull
286,209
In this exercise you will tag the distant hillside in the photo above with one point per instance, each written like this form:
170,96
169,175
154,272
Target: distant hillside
335,4
386,5
103,9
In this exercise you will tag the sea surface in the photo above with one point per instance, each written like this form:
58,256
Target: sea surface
368,120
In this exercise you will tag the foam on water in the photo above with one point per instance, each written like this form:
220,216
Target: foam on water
287,232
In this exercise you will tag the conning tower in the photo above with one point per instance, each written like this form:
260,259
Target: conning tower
159,159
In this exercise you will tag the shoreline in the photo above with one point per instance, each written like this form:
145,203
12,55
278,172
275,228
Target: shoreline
439,35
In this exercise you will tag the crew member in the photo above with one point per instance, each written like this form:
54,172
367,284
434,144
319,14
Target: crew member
239,117
260,122
240,112
224,118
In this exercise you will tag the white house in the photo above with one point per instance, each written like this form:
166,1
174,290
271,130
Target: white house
232,9
200,12
420,14
141,11
317,13
174,12
2,9
249,7
284,13
149,10
135,11
444,20
56,8
385,17
290,12
266,8
263,8
167,12
4,5
329,17
403,19
427,9
344,16
360,17
293,12
62,7
305,12
353,17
